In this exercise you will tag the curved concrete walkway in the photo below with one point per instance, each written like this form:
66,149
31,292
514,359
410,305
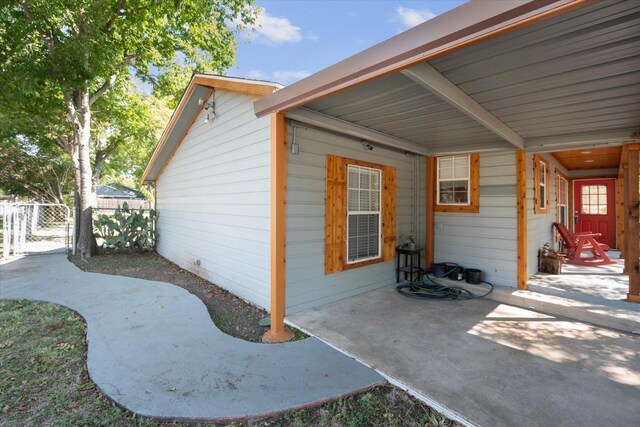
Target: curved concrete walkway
154,350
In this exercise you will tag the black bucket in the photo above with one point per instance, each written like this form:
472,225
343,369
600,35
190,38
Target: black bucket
457,273
438,269
473,276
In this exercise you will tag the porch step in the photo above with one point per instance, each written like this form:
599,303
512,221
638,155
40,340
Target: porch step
625,319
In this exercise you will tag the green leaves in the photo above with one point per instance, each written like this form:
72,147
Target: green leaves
54,52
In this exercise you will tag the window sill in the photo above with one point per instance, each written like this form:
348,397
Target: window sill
362,264
457,208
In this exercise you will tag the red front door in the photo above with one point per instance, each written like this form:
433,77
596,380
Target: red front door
594,208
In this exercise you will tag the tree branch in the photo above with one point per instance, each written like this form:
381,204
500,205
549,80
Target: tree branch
110,81
64,145
47,36
117,13
102,89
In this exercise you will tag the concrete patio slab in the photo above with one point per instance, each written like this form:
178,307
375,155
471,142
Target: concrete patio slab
620,315
154,350
487,363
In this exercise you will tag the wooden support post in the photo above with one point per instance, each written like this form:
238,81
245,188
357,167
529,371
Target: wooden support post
521,197
430,200
277,332
632,211
625,219
620,215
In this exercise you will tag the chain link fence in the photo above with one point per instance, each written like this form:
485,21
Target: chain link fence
34,228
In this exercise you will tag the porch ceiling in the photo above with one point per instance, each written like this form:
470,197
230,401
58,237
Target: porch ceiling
571,81
592,158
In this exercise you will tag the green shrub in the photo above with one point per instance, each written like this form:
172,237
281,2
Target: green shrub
127,229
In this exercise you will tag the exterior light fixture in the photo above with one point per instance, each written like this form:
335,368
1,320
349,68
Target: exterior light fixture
366,145
294,148
209,108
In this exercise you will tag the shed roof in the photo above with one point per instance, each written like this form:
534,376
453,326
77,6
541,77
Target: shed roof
117,191
538,75
201,86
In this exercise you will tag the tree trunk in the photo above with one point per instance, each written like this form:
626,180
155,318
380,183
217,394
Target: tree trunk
76,195
86,240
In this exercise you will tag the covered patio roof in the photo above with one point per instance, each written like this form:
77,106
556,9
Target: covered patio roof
541,76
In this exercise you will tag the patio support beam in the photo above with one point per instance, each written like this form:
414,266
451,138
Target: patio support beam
632,226
429,220
431,79
335,124
521,197
277,332
577,141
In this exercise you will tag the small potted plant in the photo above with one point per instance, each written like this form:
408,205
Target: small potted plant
412,241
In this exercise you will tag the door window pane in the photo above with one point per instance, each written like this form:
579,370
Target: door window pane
594,199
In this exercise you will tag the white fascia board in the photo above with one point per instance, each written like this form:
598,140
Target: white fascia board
428,77
324,121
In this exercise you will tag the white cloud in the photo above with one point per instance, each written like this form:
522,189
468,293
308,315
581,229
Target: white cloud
412,17
256,75
274,31
286,77
283,77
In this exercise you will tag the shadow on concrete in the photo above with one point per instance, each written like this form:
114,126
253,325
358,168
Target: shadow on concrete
489,363
606,285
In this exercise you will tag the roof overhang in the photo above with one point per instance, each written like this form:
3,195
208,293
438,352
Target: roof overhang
470,23
541,75
201,86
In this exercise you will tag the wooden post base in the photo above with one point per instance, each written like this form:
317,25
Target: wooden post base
633,298
272,336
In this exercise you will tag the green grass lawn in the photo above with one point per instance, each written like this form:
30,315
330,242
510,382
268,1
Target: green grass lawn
44,382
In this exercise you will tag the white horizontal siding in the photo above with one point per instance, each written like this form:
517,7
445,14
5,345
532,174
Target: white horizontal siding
307,285
540,226
484,240
213,200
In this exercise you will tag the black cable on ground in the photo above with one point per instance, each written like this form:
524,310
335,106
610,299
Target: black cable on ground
429,289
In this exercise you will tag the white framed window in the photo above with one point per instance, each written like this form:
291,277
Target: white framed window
563,201
541,178
543,185
453,180
364,235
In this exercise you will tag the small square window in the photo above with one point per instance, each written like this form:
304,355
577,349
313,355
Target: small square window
456,183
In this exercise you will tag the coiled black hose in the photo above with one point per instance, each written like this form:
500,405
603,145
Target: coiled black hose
429,289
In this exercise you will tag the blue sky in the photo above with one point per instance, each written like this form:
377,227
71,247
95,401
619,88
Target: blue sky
295,38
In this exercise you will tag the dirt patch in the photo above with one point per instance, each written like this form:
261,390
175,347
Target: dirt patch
232,315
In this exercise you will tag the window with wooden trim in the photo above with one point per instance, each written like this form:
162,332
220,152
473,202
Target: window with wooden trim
363,213
541,185
562,201
457,183
360,210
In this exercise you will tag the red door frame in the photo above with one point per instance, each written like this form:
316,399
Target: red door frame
604,224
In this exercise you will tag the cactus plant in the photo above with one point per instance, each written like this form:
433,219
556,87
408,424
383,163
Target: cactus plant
127,229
